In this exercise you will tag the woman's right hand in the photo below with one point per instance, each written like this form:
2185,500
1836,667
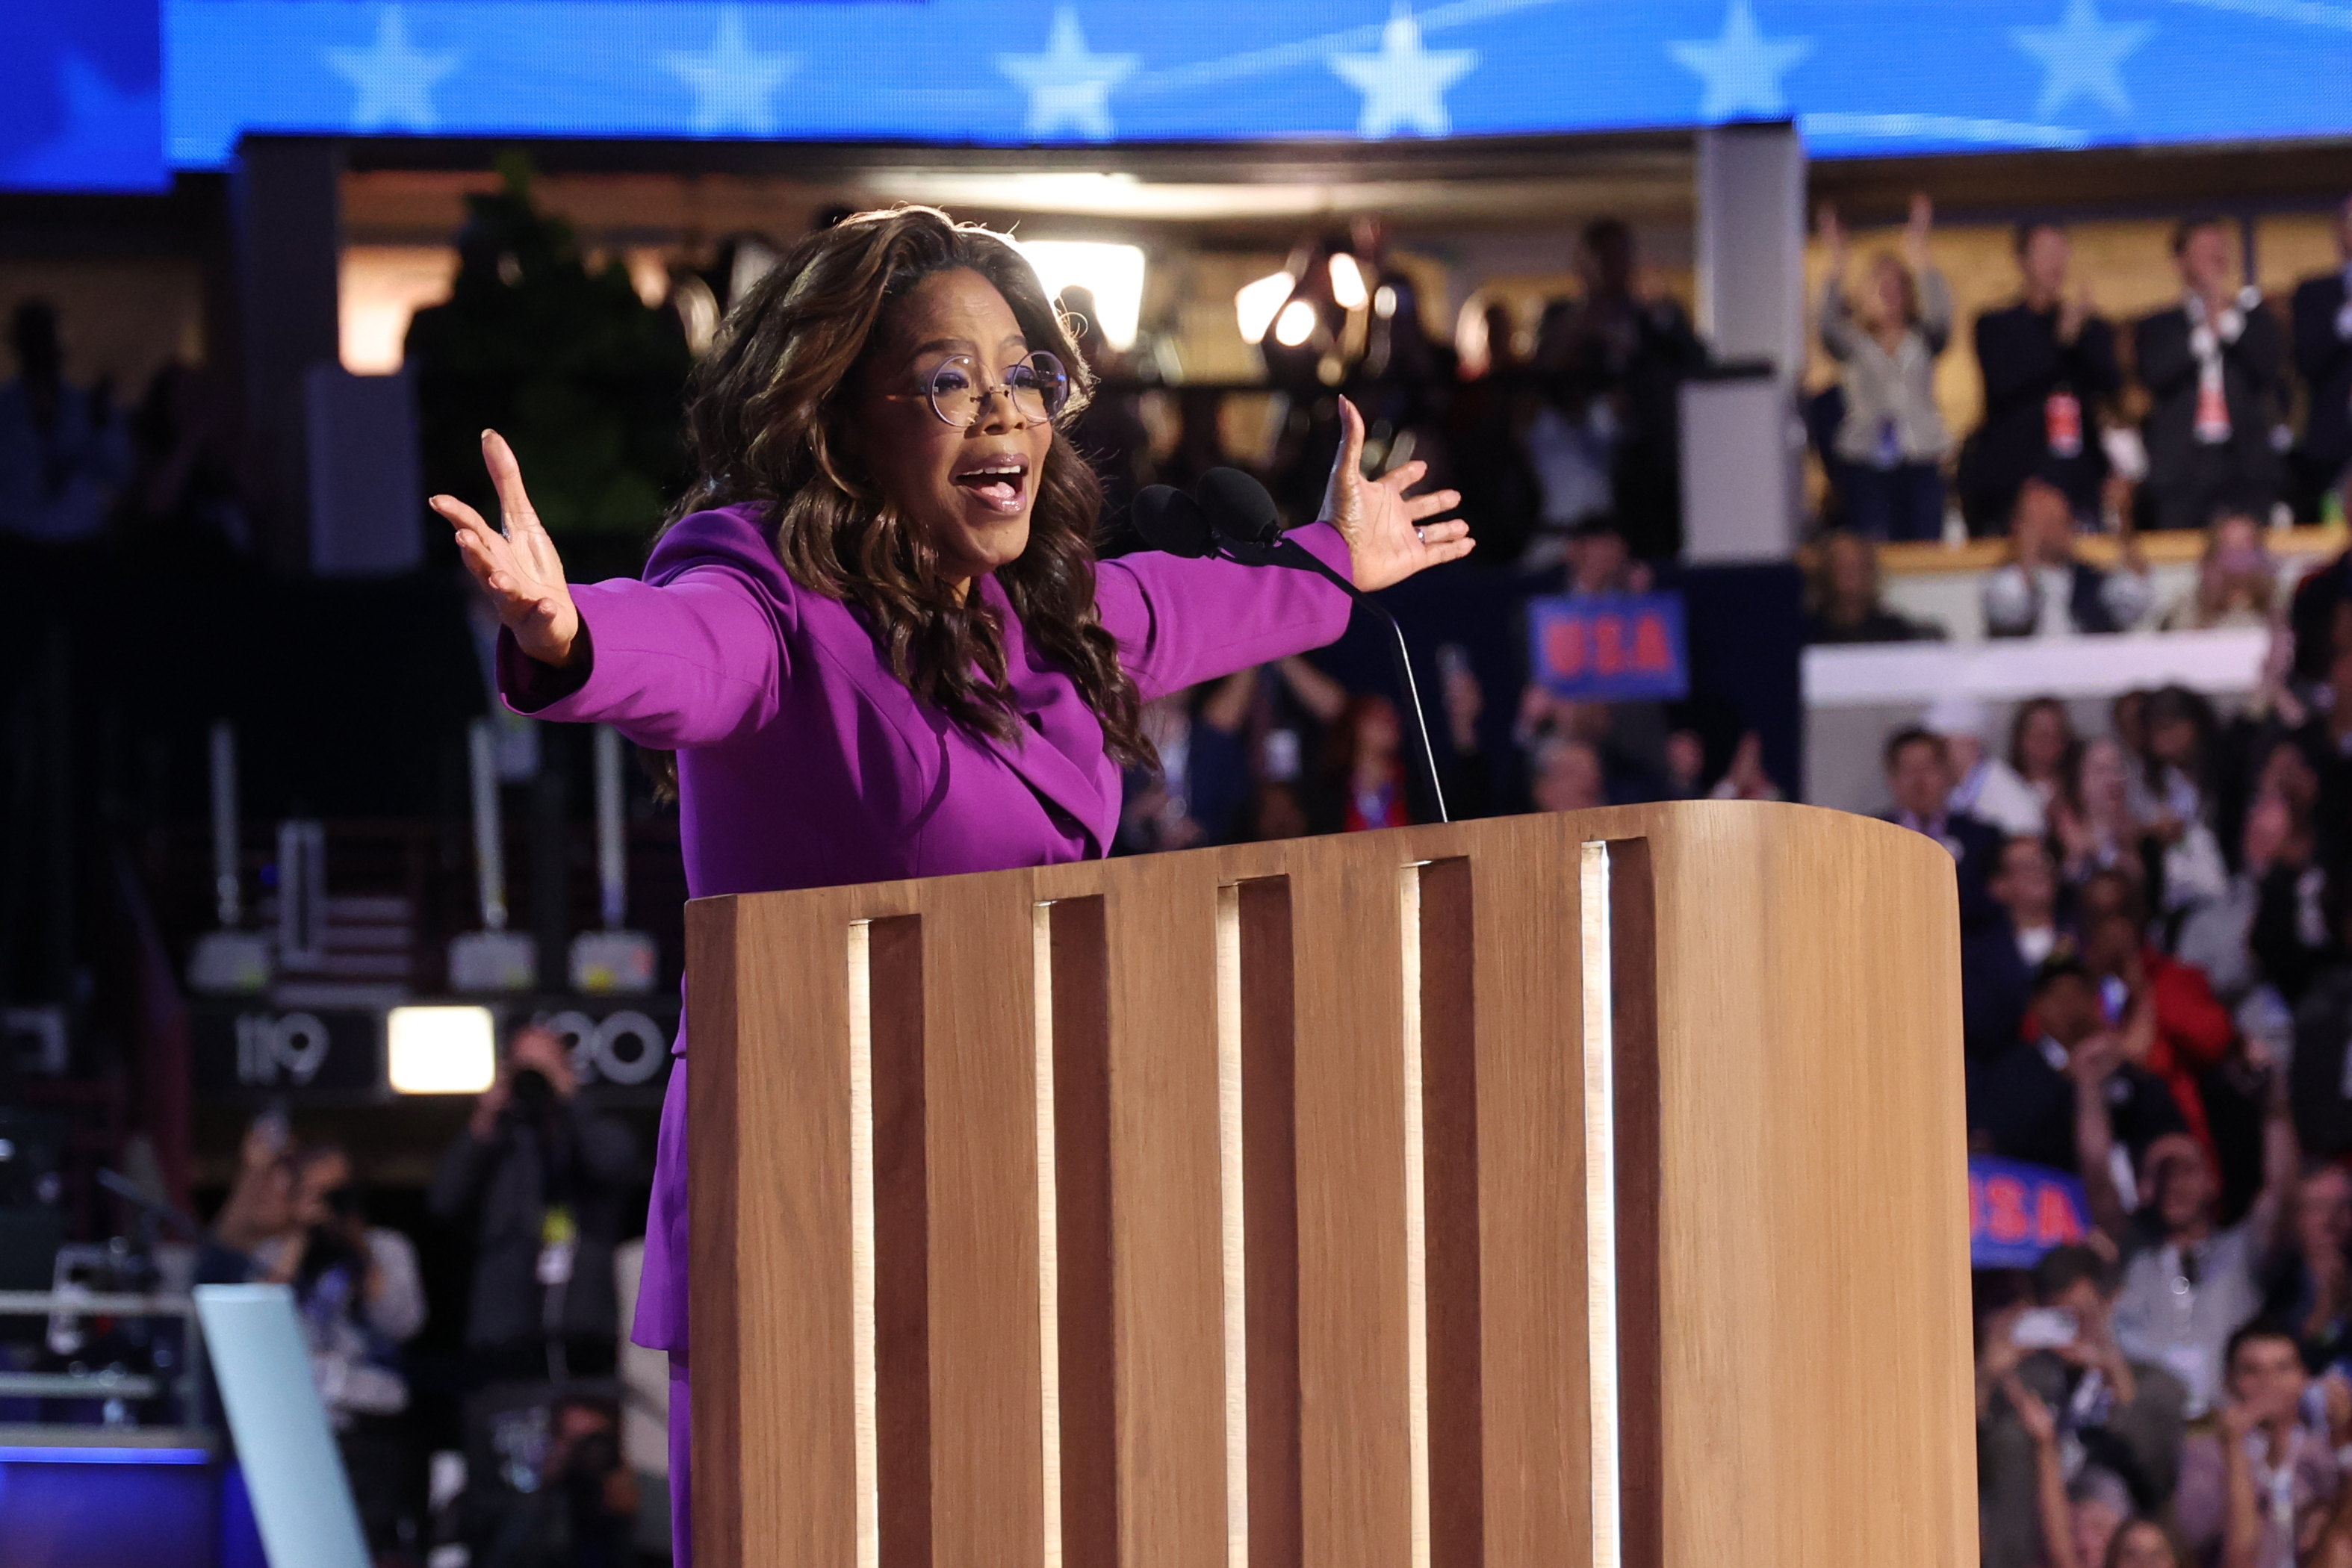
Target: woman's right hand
518,568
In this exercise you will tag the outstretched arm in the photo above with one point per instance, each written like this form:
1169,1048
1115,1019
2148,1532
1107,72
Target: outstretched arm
1183,621
684,663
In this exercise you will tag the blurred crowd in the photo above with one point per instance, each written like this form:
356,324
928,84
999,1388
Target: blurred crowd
2186,415
2155,912
538,1189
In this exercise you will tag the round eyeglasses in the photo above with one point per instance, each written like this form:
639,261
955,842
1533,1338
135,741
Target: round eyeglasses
1039,386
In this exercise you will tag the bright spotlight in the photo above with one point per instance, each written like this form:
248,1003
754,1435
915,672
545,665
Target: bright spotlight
1348,282
1254,306
441,1049
1112,273
1295,325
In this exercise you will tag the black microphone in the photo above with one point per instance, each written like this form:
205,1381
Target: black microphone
1235,519
1171,522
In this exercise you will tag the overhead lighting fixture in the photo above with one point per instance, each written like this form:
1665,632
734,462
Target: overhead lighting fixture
1112,273
1255,304
1295,325
1348,282
441,1049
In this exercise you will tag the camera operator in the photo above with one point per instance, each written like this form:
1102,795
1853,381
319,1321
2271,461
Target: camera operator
543,1176
358,1295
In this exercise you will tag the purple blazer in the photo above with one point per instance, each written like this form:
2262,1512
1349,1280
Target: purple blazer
803,762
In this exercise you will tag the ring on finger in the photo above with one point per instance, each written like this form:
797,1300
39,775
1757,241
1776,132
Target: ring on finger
1421,534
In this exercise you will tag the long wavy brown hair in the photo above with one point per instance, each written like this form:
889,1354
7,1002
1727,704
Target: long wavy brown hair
767,417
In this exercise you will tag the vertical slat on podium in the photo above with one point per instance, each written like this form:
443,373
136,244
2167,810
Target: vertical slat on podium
1449,1092
1356,1479
769,1091
979,1069
896,1099
1085,1328
1268,1008
1527,997
1168,1263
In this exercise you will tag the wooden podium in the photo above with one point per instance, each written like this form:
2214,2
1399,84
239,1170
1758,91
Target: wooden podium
1583,1189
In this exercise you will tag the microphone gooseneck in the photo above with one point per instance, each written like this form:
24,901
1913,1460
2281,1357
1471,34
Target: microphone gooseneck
1238,521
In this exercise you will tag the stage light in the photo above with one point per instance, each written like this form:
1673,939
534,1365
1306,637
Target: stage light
1112,273
1295,325
441,1049
1384,302
1255,304
1347,283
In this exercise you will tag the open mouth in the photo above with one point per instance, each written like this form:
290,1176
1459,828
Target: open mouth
1000,483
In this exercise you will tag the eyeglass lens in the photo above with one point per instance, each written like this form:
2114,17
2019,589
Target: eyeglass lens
1038,384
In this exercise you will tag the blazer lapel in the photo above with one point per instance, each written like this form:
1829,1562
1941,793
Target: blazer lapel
1058,749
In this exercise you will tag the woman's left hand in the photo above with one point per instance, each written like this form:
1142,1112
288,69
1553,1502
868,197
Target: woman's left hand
1388,532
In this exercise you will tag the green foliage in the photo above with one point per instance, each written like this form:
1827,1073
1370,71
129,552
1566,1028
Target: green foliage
571,366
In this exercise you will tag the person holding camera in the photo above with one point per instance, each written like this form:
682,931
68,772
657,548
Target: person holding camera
543,1176
358,1298
2108,1414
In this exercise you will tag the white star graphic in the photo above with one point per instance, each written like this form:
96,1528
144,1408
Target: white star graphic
394,79
1742,69
2083,55
731,83
1068,85
1404,84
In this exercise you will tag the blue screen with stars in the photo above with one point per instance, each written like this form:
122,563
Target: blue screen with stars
114,93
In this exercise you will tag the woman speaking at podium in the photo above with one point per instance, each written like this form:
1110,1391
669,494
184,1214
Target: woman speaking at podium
877,638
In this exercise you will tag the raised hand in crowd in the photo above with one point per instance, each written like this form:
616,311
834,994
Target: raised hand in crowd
517,564
1916,229
1827,223
2055,1515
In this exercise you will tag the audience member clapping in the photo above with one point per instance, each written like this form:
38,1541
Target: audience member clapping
1984,784
2045,589
2174,794
2099,829
2049,366
2045,750
2214,368
2259,1488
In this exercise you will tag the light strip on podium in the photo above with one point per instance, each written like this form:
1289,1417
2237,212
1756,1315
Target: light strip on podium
864,1400
1234,1234
1049,1263
1416,1218
1600,1205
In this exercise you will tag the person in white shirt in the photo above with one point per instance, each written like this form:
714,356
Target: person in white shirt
1988,787
2045,590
